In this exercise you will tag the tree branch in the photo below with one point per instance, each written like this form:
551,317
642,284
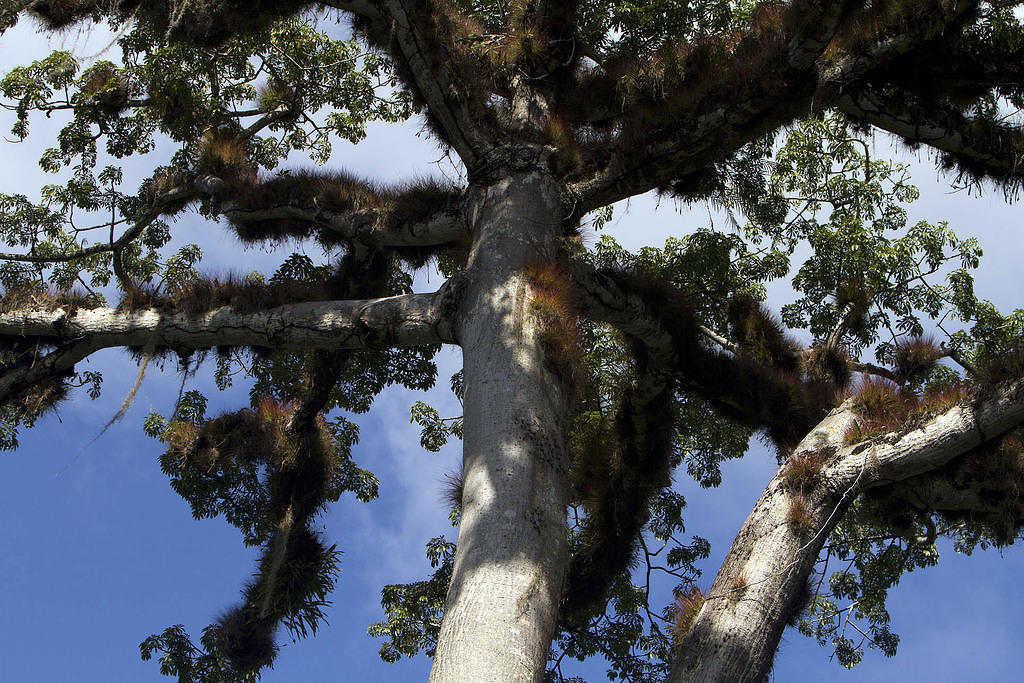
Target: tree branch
633,467
427,45
175,196
362,273
895,457
978,147
870,41
872,369
297,213
965,63
407,320
769,76
54,364
778,546
659,317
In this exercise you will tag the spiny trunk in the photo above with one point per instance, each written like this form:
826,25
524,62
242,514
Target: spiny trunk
512,548
738,628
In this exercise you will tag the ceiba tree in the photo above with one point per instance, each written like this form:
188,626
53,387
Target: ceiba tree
590,374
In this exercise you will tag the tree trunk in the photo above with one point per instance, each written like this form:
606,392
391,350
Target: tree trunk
512,548
737,630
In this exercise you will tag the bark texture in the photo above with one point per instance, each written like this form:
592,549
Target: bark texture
407,320
737,631
512,547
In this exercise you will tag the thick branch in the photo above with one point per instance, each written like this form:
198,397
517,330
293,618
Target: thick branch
895,457
979,492
737,631
408,320
299,213
765,78
872,369
978,147
361,274
773,75
427,54
429,49
605,299
965,64
617,488
872,39
745,389
54,364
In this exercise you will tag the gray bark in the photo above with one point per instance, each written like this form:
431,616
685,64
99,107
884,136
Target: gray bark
512,548
735,635
407,320
738,628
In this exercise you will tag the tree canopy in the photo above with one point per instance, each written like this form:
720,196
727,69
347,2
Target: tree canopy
593,375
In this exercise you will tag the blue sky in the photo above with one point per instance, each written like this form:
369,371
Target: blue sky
100,553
